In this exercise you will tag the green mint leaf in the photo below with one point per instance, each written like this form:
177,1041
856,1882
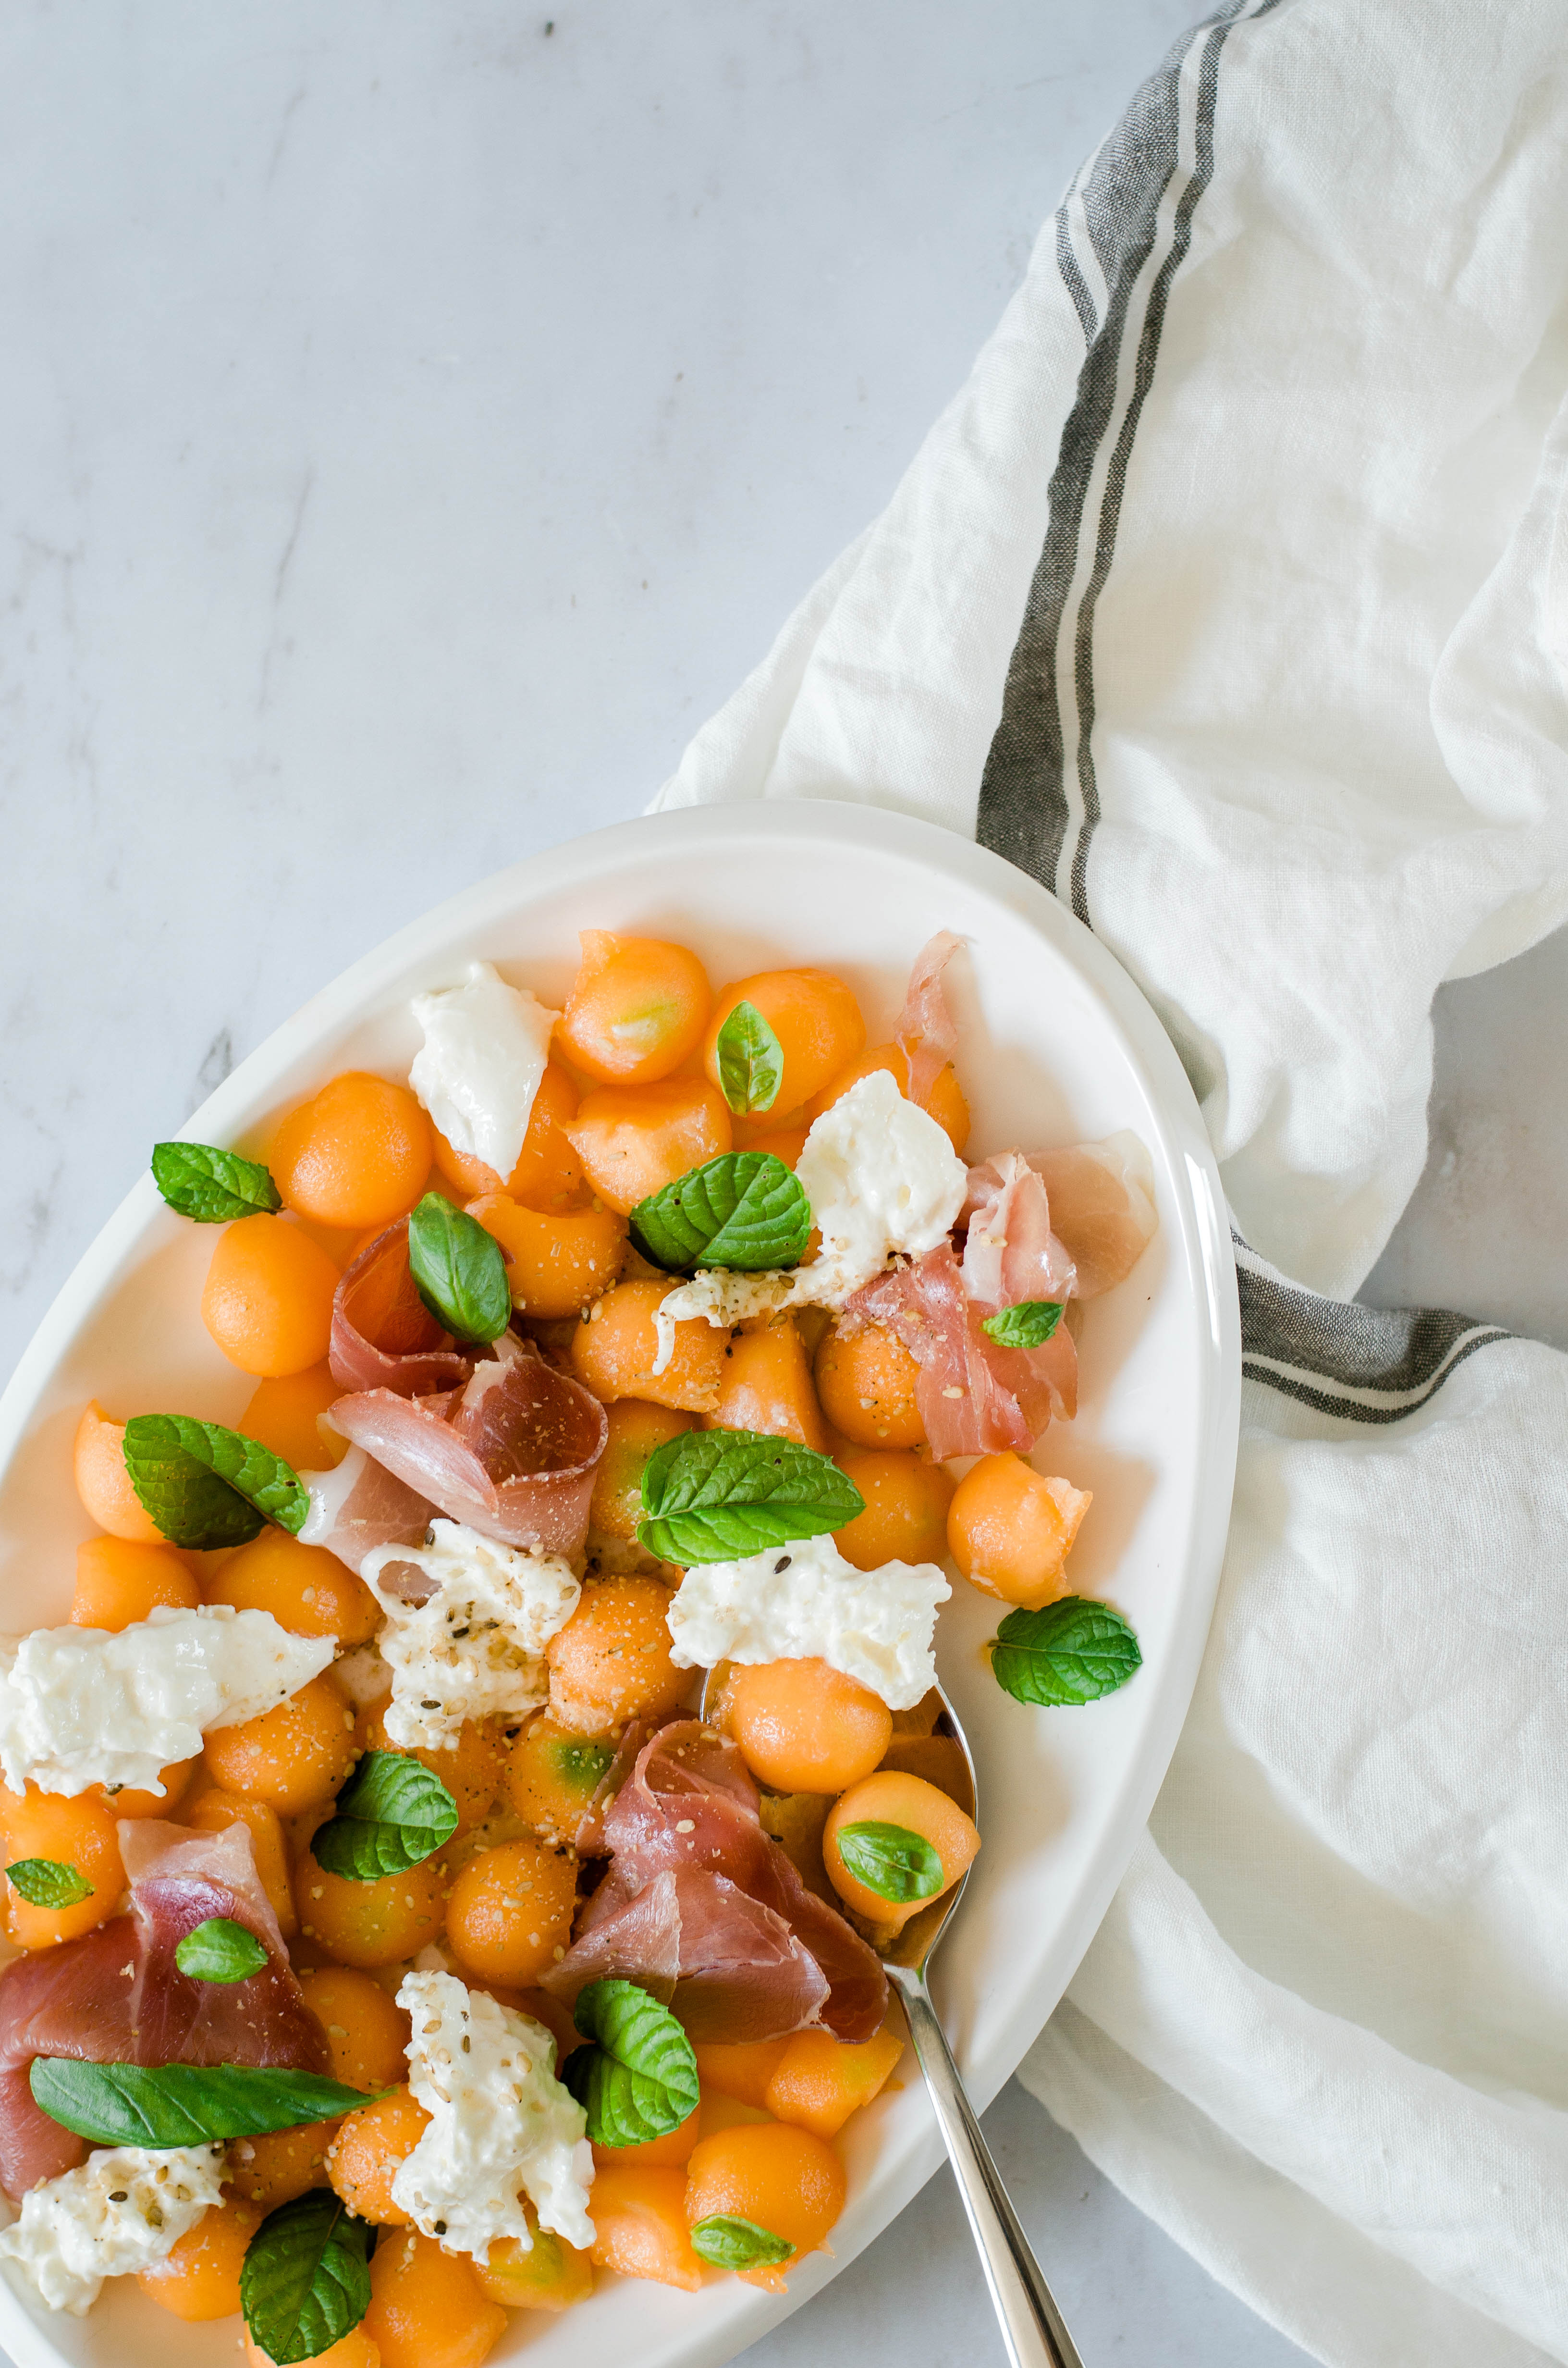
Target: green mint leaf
205,1486
180,2104
751,1061
638,2079
214,1186
743,1210
393,1813
220,1950
305,2282
718,1495
49,1883
458,1270
1029,1324
891,1860
1069,1652
731,2243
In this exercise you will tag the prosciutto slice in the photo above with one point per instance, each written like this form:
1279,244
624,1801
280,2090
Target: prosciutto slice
383,1336
728,1967
512,1453
926,1035
116,1996
1102,1205
1010,1252
690,1808
359,1506
975,1398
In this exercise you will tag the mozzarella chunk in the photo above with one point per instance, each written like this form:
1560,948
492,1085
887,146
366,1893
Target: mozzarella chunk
82,1707
502,2127
468,1621
804,1602
478,1070
124,2210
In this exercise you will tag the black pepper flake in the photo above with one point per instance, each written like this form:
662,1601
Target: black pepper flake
782,1564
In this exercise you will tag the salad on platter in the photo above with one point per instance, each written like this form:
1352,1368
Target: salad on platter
448,1851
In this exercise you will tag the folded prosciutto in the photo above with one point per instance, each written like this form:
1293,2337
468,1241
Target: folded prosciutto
1010,1252
383,1336
359,1506
688,1811
926,1034
975,1396
1102,1205
116,1996
512,1452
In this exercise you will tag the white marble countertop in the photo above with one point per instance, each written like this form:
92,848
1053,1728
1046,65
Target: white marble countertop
417,419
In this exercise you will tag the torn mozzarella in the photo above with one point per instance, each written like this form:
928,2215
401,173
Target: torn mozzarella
478,1070
124,2210
468,1621
804,1602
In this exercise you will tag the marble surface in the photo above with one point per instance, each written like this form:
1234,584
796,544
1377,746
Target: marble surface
418,418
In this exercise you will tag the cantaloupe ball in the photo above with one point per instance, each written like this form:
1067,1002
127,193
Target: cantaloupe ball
356,1154
267,1299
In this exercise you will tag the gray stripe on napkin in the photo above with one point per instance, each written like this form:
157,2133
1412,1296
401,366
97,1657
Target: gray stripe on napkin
1363,1364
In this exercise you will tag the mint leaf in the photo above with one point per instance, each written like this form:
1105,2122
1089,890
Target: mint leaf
214,1186
742,1210
1029,1324
638,2080
458,1270
49,1883
181,2104
205,1486
731,2243
891,1860
751,1061
305,2282
718,1495
1069,1652
220,1950
393,1813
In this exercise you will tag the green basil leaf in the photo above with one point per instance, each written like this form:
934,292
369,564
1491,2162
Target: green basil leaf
205,1486
751,1061
49,1883
214,1186
891,1860
731,2243
638,2079
718,1495
393,1813
743,1210
181,2104
1069,1652
305,2282
220,1950
1029,1324
458,1270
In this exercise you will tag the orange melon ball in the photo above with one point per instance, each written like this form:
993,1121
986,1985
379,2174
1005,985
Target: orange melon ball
74,1830
613,1354
471,1768
103,1483
890,1798
633,1139
766,1386
639,2224
211,1812
284,1413
427,2307
354,2349
816,1019
366,2030
906,1518
306,1588
140,1800
294,1756
355,1155
556,1260
1009,1529
636,1428
119,1580
278,2165
368,1925
267,1300
371,2149
866,1384
637,1008
547,1175
611,1661
785,2180
509,1916
803,1727
199,2277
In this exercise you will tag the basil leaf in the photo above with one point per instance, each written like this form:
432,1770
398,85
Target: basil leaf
458,1270
638,2080
393,1813
214,1186
751,1061
205,1486
731,2243
891,1860
742,1210
220,1950
1069,1652
718,1495
1029,1324
180,2104
305,2282
49,1883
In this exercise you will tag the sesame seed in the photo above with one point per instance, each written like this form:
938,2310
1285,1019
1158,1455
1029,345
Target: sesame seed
686,1825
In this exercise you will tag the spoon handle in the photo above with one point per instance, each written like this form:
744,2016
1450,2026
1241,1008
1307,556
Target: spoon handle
1031,2325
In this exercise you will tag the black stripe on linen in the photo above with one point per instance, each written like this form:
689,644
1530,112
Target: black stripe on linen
1318,1350
1023,811
1072,278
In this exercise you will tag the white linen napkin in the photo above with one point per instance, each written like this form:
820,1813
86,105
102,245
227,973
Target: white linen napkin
1228,597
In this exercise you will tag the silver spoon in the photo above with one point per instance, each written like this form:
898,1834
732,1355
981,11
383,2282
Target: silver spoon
1032,2328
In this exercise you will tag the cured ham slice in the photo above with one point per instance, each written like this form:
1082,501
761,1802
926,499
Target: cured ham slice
975,1398
512,1453
1102,1206
926,1035
690,1807
116,1996
1010,1251
383,1336
728,1967
359,1505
